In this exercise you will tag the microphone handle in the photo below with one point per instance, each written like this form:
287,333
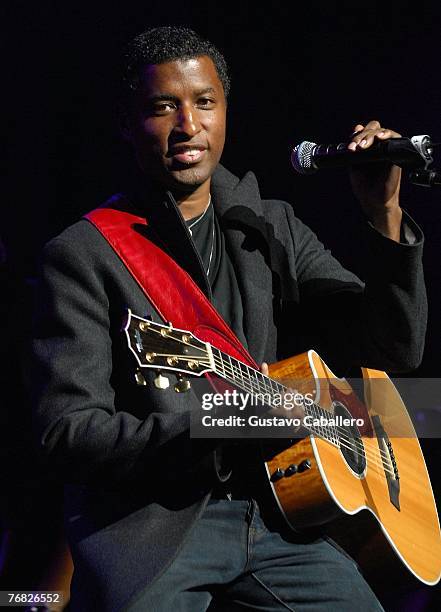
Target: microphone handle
399,151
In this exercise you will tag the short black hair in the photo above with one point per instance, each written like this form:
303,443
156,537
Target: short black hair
167,44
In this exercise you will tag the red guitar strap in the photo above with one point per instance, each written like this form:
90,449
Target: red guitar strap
170,289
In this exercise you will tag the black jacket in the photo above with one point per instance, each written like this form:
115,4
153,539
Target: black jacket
135,480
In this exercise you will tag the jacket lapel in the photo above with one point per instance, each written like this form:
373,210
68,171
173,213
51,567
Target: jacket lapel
167,229
239,209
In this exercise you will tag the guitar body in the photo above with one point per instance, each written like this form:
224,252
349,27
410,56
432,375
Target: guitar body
372,471
383,471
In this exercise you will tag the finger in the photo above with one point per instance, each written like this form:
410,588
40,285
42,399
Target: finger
367,138
364,135
373,125
363,139
264,368
384,134
358,128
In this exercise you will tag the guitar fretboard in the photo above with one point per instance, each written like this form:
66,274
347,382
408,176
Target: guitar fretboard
265,390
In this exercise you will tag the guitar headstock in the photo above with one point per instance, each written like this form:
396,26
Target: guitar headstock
162,347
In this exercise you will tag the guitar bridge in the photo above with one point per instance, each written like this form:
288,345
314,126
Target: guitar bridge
389,463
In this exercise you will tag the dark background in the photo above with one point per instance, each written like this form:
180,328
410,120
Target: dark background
299,71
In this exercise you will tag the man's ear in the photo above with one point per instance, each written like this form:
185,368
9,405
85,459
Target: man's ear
124,125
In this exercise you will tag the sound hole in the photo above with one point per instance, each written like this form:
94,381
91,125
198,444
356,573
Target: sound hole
351,443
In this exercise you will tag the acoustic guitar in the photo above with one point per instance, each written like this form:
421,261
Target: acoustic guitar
358,455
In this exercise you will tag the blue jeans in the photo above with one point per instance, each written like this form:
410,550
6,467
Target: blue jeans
232,562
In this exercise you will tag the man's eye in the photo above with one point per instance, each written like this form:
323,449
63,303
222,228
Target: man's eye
205,102
161,108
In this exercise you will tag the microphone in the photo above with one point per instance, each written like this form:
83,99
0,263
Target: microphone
416,152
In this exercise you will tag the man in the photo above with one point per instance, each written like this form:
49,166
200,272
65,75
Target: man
150,525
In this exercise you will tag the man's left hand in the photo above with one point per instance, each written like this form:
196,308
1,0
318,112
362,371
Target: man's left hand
377,186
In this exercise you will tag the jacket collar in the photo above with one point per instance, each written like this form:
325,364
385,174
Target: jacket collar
239,209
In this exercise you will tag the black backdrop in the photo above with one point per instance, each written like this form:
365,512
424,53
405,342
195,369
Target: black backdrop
299,71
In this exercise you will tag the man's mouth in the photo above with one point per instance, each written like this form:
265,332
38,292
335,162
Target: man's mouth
189,156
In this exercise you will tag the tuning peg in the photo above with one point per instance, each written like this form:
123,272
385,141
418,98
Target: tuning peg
182,385
161,382
139,378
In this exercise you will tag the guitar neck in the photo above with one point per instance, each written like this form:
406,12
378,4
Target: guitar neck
245,377
264,389
162,347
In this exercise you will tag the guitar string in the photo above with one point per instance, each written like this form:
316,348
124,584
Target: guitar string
351,443
385,456
237,381
251,387
345,442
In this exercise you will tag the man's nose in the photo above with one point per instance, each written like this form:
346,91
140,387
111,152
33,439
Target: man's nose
188,121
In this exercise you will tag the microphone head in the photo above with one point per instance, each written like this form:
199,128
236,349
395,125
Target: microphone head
302,159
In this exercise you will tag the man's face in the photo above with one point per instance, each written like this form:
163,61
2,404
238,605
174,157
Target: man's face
177,125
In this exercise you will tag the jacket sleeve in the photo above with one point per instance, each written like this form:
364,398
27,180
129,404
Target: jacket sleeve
380,323
78,429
